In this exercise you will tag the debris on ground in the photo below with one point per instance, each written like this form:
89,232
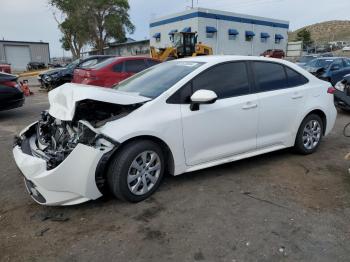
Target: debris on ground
41,232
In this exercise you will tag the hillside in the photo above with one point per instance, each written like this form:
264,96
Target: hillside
336,30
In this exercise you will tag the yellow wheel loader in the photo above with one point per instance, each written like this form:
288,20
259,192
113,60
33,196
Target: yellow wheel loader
184,45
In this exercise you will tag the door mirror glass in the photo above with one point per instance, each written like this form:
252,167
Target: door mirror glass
202,96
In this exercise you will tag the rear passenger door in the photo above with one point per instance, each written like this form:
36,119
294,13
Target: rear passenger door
281,93
227,127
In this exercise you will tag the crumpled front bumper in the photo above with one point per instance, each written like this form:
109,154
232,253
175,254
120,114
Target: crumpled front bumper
71,182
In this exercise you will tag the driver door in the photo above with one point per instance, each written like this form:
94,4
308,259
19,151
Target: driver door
226,127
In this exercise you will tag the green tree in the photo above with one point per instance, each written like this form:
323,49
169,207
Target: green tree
108,19
73,25
305,36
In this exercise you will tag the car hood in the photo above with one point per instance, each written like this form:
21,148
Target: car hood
63,99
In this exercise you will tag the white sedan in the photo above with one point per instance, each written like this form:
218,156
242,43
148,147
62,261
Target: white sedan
180,116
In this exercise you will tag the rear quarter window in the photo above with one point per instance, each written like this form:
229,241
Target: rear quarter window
295,78
269,76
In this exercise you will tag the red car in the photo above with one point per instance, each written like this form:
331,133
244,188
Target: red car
112,71
274,53
6,68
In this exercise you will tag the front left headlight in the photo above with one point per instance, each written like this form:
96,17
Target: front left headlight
340,86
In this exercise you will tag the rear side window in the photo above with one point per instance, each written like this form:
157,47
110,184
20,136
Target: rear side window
294,78
226,80
118,68
152,62
135,66
269,76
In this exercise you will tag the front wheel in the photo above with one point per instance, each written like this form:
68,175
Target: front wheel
309,135
136,171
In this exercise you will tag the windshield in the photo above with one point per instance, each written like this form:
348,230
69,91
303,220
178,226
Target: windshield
324,63
306,59
154,81
104,63
73,64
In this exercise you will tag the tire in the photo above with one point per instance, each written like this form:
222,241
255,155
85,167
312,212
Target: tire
129,163
308,140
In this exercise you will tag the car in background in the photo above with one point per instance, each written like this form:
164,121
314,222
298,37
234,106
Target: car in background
331,69
304,60
11,94
59,76
342,94
346,48
6,68
274,53
35,66
112,71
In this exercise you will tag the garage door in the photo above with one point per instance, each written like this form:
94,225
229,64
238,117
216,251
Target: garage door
18,57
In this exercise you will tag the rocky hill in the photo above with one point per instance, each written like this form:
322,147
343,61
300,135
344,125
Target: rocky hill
337,30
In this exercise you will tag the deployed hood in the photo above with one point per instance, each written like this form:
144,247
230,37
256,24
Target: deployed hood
52,71
63,100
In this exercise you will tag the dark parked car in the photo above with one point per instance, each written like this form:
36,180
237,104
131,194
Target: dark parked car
11,95
36,65
112,71
331,69
59,76
342,94
274,53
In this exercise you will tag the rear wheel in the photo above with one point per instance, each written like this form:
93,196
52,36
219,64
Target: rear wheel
309,135
136,171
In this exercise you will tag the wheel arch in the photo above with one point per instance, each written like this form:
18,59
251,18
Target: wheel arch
102,167
321,114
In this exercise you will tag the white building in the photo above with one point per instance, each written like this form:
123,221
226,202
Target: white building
227,33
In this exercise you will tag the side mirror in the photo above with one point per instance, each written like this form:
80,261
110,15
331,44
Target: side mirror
202,96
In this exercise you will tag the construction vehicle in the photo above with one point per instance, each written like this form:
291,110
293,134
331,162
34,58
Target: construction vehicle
184,45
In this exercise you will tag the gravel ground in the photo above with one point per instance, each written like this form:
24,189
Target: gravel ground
275,207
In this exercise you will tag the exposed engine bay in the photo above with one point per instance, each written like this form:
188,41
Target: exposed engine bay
53,139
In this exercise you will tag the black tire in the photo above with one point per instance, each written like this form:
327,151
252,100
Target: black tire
117,172
299,143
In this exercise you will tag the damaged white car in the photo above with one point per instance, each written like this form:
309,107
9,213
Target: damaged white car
177,117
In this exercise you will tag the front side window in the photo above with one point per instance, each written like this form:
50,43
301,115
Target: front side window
155,80
269,76
226,80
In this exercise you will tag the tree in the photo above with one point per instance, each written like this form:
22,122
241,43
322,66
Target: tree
74,26
305,36
108,19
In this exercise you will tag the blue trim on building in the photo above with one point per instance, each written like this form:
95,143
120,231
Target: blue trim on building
233,32
156,35
186,30
279,37
264,35
219,17
211,29
249,33
172,32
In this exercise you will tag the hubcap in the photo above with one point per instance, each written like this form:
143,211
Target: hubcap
312,134
144,172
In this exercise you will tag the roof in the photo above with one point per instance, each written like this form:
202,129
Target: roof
217,14
23,42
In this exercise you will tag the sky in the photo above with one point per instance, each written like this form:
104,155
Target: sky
32,20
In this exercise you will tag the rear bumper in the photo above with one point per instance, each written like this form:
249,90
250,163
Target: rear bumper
341,100
12,104
71,182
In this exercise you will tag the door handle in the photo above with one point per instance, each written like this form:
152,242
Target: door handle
249,105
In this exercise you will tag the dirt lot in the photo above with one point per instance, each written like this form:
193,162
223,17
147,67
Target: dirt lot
275,207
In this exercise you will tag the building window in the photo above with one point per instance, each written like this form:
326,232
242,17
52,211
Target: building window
210,30
264,37
157,36
232,37
278,38
232,34
210,35
249,36
263,40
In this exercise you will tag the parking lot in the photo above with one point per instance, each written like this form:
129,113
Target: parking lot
276,207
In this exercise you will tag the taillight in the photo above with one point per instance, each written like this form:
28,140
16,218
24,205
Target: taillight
10,83
331,90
